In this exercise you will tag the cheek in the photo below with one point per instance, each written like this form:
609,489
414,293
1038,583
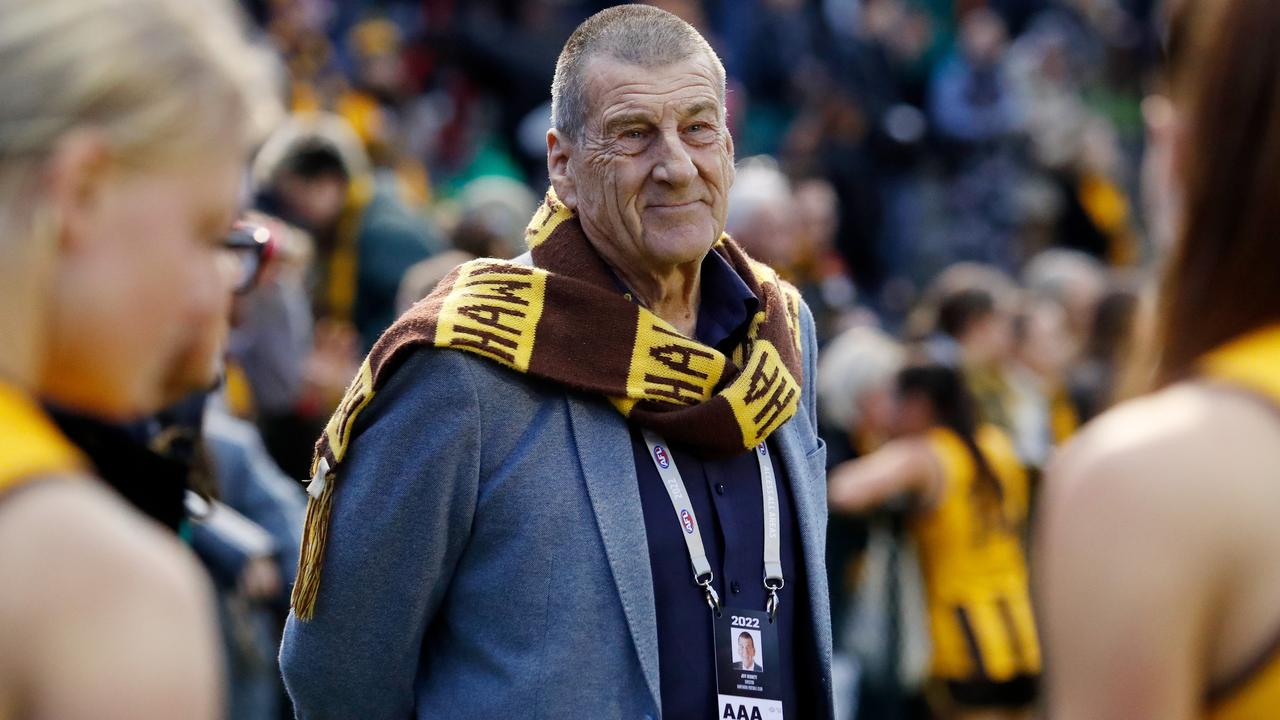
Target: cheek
626,178
163,263
716,169
129,296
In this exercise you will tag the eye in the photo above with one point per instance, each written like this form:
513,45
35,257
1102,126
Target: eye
700,132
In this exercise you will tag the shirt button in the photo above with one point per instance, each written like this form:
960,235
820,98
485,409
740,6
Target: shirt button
734,587
719,488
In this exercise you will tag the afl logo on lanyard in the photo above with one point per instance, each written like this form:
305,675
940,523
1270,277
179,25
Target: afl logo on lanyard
660,454
686,519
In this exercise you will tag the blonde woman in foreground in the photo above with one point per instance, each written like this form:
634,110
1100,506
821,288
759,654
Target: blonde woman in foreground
1158,573
123,127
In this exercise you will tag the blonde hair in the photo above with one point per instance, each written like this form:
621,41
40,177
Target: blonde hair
158,79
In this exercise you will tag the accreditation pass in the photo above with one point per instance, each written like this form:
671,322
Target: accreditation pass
748,681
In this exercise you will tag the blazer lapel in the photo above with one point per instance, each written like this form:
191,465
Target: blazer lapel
604,449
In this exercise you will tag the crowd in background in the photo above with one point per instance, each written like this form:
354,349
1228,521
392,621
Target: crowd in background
957,181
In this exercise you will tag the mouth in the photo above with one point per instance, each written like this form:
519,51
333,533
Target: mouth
672,206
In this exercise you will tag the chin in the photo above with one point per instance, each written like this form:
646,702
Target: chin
681,247
116,404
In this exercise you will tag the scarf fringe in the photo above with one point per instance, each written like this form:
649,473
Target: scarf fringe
315,537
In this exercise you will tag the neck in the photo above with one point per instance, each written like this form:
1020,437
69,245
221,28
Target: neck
26,281
18,354
672,294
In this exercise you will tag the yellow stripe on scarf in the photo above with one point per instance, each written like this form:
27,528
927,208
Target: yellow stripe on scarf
549,216
668,367
357,397
764,395
493,310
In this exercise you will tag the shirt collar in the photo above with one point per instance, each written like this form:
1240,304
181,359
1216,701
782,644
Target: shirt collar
727,303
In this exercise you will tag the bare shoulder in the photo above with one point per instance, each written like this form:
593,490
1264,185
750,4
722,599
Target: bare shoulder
98,578
1188,439
74,530
1190,468
1154,551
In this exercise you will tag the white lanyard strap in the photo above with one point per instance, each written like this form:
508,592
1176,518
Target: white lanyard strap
702,574
773,580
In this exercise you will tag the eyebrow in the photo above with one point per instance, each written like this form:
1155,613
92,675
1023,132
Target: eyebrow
627,119
698,107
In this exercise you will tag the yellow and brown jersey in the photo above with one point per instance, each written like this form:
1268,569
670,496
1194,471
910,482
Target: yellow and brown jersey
974,566
1251,364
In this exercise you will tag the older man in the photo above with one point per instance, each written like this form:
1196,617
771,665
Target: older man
562,486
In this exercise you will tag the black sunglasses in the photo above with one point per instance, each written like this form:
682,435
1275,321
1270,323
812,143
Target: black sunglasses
253,246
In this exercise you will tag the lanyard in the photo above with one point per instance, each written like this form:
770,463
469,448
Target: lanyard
679,495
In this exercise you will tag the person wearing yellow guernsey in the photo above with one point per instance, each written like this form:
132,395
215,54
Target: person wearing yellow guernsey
123,132
970,494
1156,567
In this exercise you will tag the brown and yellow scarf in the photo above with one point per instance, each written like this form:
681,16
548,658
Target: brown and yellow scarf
564,320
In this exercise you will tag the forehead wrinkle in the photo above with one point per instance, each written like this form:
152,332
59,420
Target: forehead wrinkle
625,97
644,90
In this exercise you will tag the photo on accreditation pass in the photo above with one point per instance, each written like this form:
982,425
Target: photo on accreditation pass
746,645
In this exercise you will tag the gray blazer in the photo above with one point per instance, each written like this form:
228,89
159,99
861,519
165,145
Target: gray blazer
487,555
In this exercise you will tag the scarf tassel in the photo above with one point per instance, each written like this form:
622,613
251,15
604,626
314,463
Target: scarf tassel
315,536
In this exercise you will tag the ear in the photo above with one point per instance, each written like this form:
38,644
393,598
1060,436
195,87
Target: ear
733,160
74,177
559,151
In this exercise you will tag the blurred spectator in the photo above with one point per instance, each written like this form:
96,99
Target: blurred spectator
762,217
1093,380
272,329
1072,279
378,103
492,214
982,332
258,559
818,271
856,411
855,389
1042,413
967,496
973,100
313,173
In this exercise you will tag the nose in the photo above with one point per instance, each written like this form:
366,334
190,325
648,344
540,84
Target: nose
674,166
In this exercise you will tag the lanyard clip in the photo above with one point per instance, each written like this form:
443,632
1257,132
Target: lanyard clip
773,585
713,599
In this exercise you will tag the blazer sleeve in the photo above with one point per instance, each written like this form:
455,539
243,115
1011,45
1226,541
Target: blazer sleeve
402,508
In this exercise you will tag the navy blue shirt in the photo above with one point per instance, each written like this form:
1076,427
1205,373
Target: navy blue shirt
727,500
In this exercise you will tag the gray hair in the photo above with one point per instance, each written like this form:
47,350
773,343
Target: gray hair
1054,273
860,360
757,183
636,34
